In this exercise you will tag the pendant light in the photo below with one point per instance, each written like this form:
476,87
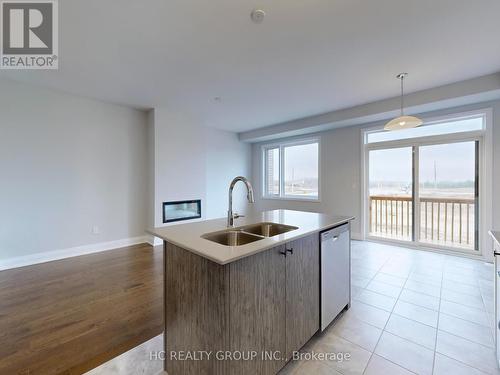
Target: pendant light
403,122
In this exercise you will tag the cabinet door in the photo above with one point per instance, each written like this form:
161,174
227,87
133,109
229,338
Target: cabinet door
257,311
302,292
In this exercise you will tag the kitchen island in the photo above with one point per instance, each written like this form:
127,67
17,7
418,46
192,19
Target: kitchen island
242,302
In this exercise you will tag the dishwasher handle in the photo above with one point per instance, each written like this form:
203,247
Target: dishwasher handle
334,232
329,236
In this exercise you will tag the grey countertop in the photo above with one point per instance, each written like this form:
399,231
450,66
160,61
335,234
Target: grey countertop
188,236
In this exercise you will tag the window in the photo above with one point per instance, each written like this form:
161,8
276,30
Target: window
273,171
291,170
430,186
436,128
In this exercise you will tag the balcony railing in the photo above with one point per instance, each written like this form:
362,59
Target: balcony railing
443,221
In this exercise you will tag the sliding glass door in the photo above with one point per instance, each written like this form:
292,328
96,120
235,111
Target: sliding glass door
391,193
447,194
425,193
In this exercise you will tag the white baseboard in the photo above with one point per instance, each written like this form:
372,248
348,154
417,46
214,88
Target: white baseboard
154,241
49,256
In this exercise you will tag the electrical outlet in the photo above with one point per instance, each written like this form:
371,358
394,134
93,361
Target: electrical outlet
95,229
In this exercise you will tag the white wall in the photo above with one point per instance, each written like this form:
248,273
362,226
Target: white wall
195,162
226,158
69,163
339,177
341,170
66,164
179,160
151,170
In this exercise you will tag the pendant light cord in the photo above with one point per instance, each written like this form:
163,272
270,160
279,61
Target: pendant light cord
402,94
402,121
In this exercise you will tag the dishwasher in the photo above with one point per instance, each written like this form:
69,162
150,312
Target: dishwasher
335,260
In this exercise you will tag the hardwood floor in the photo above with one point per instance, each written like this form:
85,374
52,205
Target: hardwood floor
68,316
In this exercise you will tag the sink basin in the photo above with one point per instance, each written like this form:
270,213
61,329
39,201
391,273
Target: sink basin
232,237
268,229
247,234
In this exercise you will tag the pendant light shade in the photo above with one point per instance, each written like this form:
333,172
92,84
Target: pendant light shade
403,122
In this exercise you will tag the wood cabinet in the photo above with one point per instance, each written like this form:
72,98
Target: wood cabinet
257,310
302,291
267,304
274,303
196,312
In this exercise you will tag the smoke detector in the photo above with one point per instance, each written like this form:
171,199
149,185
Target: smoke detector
257,15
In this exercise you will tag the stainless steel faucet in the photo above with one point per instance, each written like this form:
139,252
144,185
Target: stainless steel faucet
250,198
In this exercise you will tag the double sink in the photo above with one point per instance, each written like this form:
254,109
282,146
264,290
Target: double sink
247,234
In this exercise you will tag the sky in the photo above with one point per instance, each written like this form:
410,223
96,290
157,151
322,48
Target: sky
303,159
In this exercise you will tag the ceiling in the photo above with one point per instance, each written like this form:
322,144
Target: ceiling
307,57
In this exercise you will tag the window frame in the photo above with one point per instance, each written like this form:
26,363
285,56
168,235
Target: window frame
485,174
281,174
482,114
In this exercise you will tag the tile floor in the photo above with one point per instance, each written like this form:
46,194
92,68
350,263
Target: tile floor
412,312
137,361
